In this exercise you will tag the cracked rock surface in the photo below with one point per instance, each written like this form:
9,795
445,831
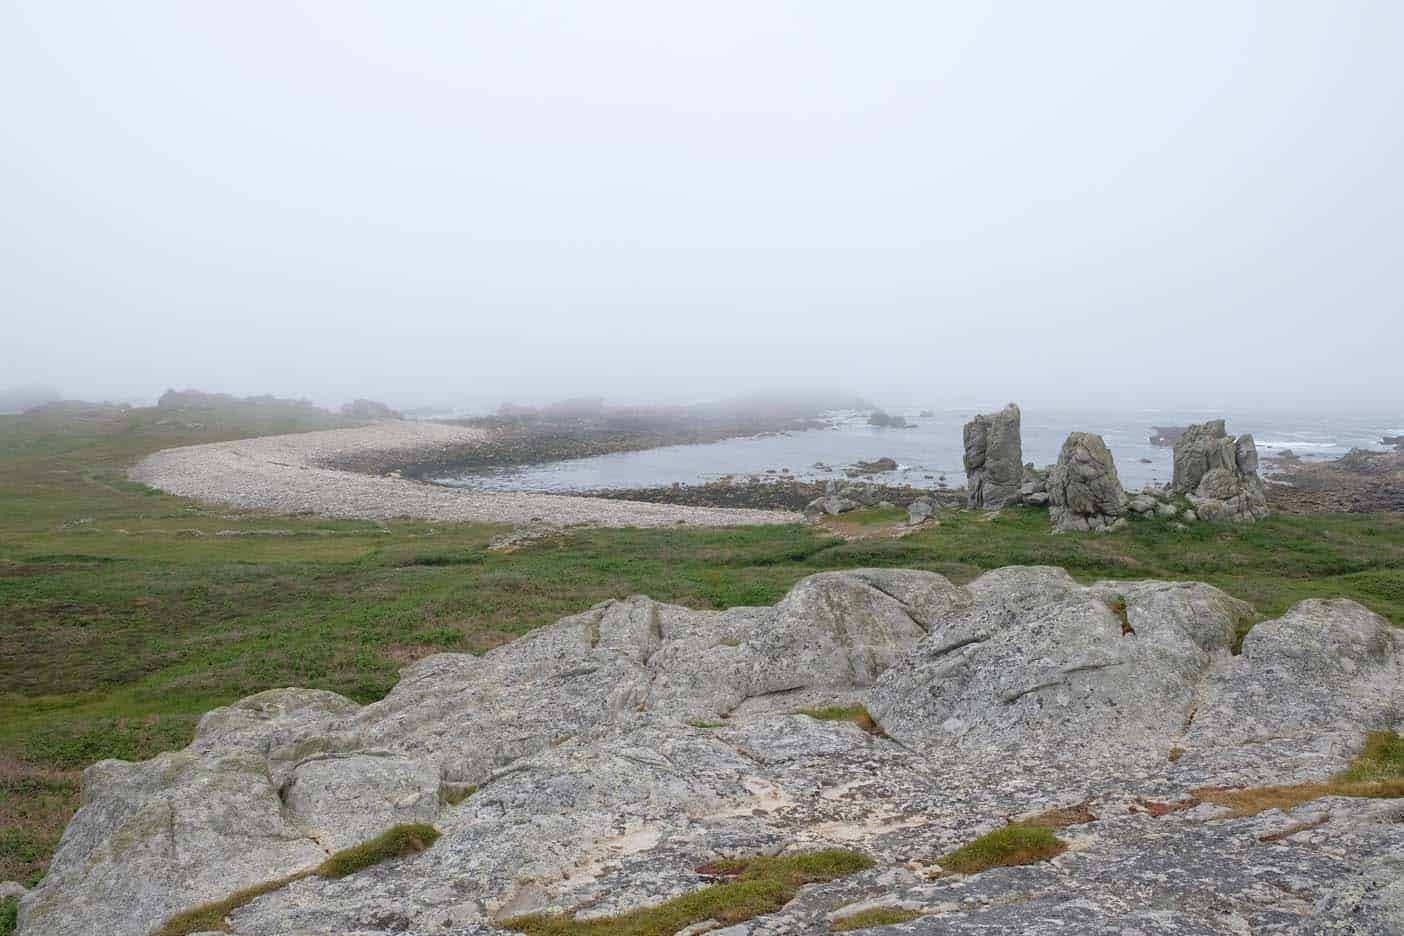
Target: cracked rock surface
613,753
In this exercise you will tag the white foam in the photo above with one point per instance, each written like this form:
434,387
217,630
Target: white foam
1296,445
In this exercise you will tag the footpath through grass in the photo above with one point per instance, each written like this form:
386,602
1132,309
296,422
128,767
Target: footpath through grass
125,613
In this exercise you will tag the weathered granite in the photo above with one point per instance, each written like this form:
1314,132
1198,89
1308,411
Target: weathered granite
1219,474
617,750
1084,491
994,459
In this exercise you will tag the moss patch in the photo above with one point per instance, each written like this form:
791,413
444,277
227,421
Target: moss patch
397,842
856,714
755,887
877,916
1012,845
454,793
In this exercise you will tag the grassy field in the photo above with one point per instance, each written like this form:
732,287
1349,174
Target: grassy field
125,613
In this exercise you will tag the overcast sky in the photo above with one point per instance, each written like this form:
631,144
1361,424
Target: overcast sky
518,200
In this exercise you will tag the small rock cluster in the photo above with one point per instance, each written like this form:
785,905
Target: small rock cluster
1219,474
840,498
1034,489
1152,501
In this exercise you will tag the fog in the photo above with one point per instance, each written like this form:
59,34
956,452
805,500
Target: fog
472,202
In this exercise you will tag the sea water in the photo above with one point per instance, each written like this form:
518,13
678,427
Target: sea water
930,453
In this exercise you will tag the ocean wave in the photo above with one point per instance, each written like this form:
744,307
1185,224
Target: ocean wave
1273,444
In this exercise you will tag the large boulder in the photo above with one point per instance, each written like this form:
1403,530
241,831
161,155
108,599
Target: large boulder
1219,474
600,763
994,459
1035,666
1083,488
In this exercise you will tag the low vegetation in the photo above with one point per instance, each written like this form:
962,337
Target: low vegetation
753,887
856,714
1377,772
1060,817
128,613
9,916
397,842
1380,760
867,919
1010,845
453,794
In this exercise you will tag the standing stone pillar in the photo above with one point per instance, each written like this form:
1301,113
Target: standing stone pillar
994,459
1083,488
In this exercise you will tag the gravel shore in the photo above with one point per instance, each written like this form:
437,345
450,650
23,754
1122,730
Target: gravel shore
287,474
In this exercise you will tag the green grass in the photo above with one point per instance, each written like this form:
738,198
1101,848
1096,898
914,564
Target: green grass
870,518
121,625
1382,758
877,916
1004,847
9,916
398,842
755,887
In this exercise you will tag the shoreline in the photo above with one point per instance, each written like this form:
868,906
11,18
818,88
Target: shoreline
305,473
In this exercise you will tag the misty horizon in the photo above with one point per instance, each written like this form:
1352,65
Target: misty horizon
1166,206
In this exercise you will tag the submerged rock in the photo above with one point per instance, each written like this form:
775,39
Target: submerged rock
593,765
994,459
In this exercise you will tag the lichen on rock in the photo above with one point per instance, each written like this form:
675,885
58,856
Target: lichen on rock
1023,693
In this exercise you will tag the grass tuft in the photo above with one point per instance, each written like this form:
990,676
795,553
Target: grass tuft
210,917
451,794
877,916
1381,759
9,916
397,842
754,888
1012,845
1377,772
856,714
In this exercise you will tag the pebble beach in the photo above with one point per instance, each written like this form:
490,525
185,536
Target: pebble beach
292,474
